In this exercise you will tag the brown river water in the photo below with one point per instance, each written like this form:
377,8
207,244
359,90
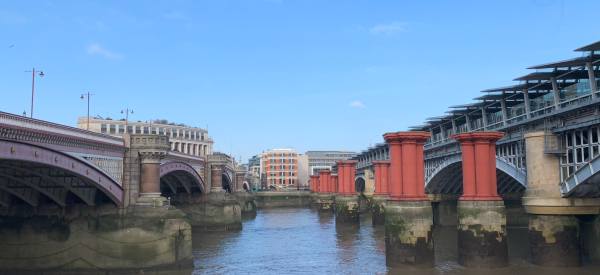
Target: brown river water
304,241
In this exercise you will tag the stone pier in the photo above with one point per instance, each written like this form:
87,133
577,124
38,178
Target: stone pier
346,200
481,212
381,194
216,211
408,212
243,195
553,225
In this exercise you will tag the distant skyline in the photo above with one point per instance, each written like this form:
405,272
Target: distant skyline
263,74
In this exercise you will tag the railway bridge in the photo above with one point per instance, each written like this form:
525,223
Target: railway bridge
525,152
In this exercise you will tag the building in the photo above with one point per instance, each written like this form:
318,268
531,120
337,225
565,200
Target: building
303,174
279,169
254,172
188,140
320,160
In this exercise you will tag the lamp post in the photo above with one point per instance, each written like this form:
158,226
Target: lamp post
87,95
126,111
33,74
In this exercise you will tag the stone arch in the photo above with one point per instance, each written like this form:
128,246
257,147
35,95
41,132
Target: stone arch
227,182
32,173
177,177
359,184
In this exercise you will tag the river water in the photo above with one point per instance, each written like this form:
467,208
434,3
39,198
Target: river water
304,241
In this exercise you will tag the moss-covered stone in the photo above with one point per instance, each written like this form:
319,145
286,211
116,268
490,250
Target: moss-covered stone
482,234
554,240
128,239
408,229
347,209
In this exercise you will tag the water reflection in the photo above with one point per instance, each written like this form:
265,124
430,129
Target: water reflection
307,241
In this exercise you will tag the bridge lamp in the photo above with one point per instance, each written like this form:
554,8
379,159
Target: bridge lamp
88,95
127,111
33,75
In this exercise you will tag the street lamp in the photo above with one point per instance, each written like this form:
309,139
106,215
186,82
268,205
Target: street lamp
126,111
87,95
40,74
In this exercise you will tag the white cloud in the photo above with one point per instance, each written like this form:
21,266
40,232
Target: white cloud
357,104
388,28
97,49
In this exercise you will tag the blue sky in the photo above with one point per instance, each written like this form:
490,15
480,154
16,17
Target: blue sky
264,74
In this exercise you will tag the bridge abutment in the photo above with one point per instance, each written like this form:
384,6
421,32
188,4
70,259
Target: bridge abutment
408,212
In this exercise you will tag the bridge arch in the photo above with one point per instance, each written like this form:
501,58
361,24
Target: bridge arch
584,182
35,174
177,177
227,182
446,177
359,184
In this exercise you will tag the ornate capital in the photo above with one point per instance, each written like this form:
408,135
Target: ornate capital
410,136
149,156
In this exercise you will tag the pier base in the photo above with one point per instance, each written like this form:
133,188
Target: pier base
408,233
346,209
247,203
218,211
326,202
482,234
554,240
87,238
378,209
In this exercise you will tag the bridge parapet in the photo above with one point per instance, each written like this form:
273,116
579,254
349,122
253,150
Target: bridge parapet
60,137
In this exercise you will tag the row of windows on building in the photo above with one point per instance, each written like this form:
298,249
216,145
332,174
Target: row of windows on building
271,160
137,129
282,174
190,148
283,181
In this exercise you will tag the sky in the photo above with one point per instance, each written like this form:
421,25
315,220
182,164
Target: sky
261,74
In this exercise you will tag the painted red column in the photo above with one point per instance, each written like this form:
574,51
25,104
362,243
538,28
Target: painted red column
406,172
479,165
381,168
346,174
334,184
324,180
314,181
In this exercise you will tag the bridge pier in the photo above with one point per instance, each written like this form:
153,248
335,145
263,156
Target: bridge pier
381,193
408,212
314,191
91,238
346,201
481,212
326,198
554,230
245,198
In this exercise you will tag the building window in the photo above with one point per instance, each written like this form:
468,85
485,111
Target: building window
112,128
102,128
